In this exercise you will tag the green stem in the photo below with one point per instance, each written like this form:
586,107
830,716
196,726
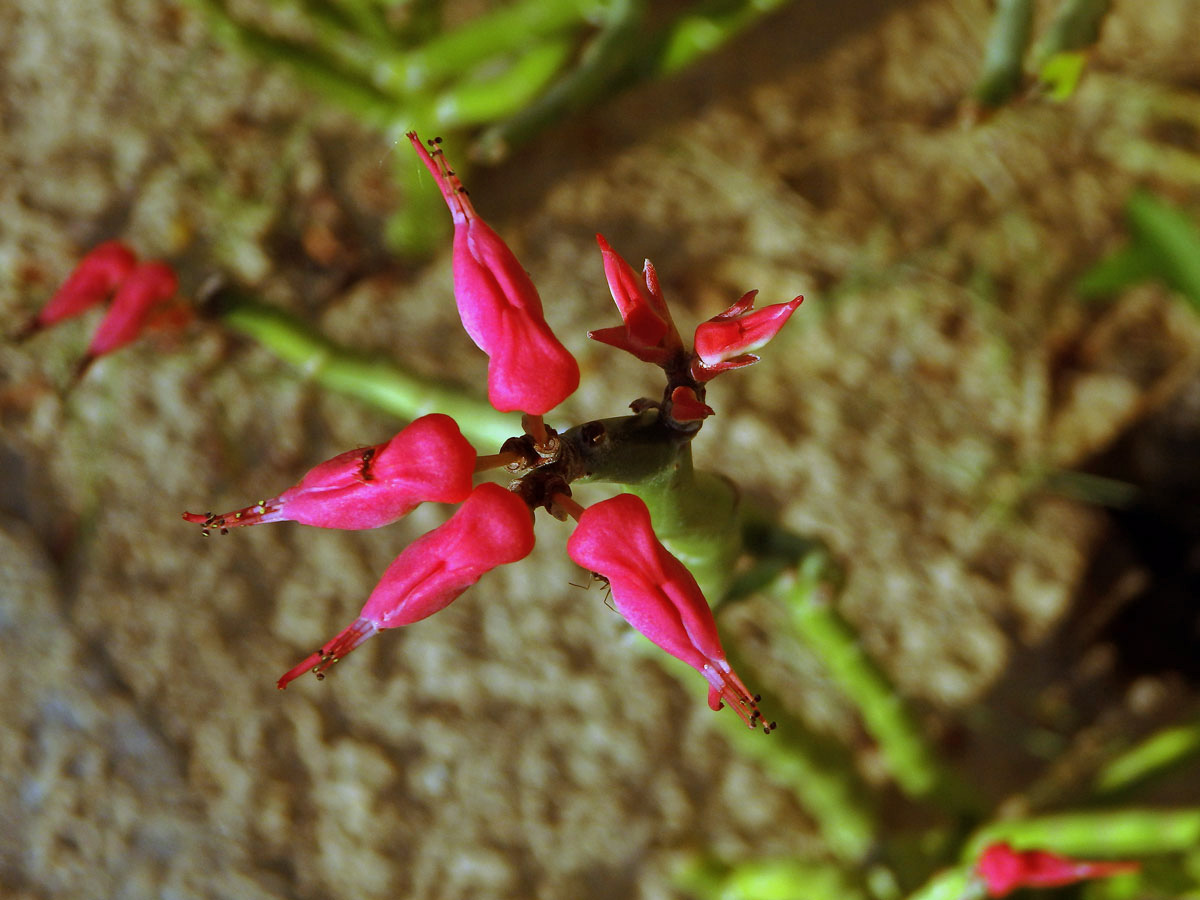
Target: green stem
816,771
702,30
508,29
1004,52
485,97
1076,27
607,61
1156,756
376,381
1116,833
885,715
316,68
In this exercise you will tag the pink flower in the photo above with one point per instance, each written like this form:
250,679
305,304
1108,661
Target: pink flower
724,342
148,285
657,595
94,279
493,527
428,460
648,332
528,369
1003,869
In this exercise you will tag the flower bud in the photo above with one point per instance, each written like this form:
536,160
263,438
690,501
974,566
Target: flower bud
724,342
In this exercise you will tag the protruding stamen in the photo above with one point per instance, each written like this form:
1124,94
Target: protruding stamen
251,515
327,657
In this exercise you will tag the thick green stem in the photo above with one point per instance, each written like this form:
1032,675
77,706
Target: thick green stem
377,381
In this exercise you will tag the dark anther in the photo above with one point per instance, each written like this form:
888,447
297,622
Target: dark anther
204,531
758,698
364,471
224,531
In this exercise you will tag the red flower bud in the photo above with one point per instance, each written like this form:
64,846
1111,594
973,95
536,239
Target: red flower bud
493,527
142,289
428,460
658,595
724,342
648,332
1004,870
93,280
528,369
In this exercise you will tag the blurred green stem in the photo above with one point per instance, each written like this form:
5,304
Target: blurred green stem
1004,52
1115,833
1158,755
377,381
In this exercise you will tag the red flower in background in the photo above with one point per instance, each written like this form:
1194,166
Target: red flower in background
429,460
140,292
528,368
1004,869
98,274
493,527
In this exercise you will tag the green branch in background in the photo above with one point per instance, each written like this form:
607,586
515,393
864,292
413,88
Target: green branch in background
508,73
1165,245
1004,53
1124,833
1157,756
1061,54
1057,60
374,380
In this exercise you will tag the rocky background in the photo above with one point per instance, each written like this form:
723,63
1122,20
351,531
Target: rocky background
939,379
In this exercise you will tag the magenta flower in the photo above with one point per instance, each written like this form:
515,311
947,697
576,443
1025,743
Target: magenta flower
528,369
724,342
657,595
95,278
1004,869
493,527
429,460
648,332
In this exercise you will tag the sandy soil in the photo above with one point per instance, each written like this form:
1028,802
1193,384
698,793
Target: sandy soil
518,745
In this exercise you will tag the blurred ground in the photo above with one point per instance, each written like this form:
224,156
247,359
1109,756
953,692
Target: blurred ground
517,745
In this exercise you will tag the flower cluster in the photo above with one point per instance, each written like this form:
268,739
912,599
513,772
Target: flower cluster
1003,869
530,371
140,292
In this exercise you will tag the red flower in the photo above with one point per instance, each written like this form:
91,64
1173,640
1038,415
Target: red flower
648,332
142,289
528,369
724,342
493,527
1003,869
428,460
94,279
657,595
